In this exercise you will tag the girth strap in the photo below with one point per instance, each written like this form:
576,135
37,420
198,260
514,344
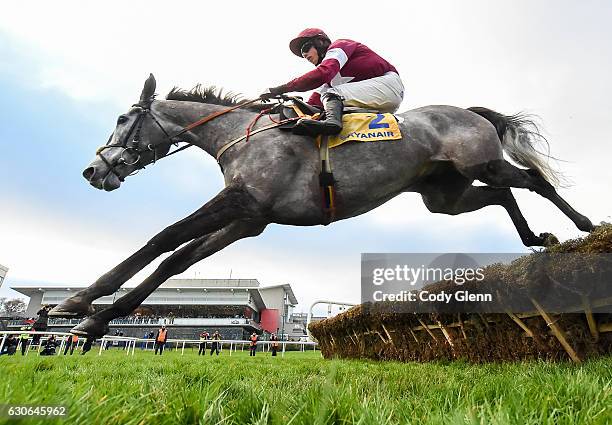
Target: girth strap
327,181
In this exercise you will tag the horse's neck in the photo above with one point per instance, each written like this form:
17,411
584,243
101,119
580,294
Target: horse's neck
210,136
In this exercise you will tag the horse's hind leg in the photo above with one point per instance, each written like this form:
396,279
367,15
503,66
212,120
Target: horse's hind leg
458,200
232,203
500,173
178,262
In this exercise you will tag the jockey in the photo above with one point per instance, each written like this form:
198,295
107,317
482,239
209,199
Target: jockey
347,73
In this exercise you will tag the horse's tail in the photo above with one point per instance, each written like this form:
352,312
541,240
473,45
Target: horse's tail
519,136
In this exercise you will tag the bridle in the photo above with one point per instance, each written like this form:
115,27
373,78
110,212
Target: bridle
131,144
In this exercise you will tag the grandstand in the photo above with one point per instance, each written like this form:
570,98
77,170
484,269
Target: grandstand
234,307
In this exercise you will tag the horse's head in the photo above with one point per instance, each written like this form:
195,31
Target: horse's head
139,139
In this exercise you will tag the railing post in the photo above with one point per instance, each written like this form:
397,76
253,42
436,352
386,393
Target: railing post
2,343
29,345
61,347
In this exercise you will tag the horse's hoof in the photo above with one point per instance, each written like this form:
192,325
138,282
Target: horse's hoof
585,225
91,327
72,308
548,239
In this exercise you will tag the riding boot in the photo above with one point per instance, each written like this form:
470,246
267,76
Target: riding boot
332,124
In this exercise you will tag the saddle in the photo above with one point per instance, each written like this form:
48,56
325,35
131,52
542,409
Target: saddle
298,108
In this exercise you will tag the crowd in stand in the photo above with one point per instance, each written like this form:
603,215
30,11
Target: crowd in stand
137,319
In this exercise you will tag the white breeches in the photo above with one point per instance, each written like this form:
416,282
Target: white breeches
383,93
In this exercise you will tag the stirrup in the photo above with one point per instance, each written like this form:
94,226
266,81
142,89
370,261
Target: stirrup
302,130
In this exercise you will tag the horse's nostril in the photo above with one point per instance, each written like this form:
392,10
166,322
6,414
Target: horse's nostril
89,173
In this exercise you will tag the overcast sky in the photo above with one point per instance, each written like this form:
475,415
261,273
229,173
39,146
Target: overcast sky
67,69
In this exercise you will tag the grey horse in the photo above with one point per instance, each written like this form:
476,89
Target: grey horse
274,178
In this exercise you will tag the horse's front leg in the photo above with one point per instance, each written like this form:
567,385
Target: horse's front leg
178,262
232,203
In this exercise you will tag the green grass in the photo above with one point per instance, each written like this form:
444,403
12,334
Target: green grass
303,388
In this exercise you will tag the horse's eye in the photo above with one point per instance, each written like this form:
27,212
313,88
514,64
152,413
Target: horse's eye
121,119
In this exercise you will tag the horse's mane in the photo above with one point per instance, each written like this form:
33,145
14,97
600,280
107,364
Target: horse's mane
212,95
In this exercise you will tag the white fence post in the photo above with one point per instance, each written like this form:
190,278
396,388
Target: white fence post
61,347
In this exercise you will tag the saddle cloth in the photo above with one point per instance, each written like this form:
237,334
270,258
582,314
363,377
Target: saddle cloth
359,125
366,127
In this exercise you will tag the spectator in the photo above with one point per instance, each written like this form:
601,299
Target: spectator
160,339
71,344
144,343
274,340
113,341
171,318
204,336
50,345
253,344
10,345
24,338
214,347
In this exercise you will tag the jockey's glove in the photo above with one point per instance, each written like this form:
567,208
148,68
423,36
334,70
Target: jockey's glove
271,92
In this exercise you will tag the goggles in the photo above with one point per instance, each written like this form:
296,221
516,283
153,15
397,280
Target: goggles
306,47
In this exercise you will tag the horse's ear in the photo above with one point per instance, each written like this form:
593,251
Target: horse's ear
148,91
